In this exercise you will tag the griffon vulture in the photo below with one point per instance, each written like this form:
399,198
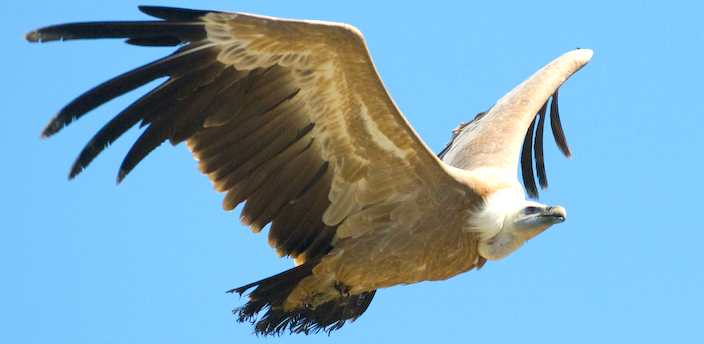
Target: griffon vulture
292,117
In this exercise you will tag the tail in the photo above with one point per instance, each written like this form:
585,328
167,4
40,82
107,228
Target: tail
273,291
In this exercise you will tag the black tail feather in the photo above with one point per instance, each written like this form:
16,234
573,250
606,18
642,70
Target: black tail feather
328,317
271,293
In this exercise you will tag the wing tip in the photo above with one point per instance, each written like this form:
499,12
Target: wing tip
33,36
76,169
567,153
43,35
121,175
50,129
582,56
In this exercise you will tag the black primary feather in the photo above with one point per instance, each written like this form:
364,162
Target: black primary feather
188,63
560,140
556,126
174,14
527,162
538,148
132,30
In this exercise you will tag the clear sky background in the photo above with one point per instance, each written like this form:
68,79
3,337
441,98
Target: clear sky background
149,261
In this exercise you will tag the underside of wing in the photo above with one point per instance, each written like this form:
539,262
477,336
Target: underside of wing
289,116
492,140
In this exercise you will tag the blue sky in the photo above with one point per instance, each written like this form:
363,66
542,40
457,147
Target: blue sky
149,261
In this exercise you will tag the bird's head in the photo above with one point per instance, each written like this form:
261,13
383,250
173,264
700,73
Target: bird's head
532,218
507,221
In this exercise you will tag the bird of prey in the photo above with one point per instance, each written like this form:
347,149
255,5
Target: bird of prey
291,117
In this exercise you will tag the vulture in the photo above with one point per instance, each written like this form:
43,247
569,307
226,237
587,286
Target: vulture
291,117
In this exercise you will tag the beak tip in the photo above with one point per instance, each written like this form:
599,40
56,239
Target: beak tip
560,213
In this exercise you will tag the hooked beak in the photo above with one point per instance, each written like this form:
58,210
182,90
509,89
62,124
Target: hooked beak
557,214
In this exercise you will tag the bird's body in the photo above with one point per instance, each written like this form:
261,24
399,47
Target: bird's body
291,117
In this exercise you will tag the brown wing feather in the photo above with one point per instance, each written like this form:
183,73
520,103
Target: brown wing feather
289,116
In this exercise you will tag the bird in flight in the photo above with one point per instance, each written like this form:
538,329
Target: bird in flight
291,117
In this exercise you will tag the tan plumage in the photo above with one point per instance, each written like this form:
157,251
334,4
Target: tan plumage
291,117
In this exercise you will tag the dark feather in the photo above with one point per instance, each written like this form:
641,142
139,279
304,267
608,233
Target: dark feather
174,14
321,245
135,30
151,138
527,163
271,293
299,223
539,156
279,189
556,126
101,94
255,153
108,134
158,103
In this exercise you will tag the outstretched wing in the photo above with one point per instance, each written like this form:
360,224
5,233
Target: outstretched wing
289,116
493,139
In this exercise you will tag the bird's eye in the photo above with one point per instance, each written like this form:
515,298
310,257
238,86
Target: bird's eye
531,210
